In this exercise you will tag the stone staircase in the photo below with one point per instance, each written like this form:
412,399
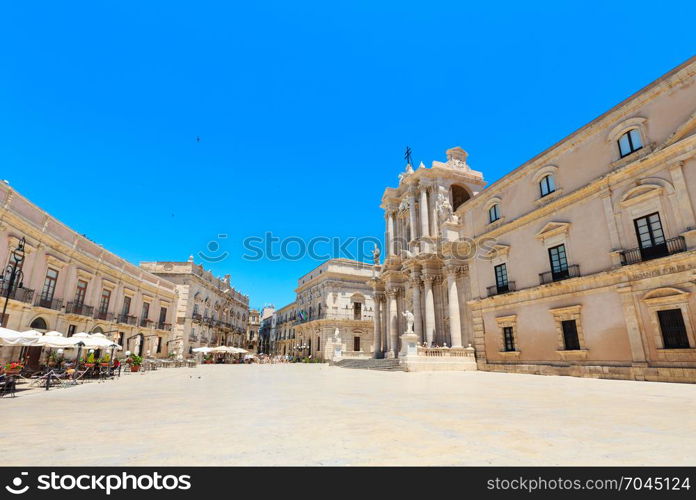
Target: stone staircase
391,365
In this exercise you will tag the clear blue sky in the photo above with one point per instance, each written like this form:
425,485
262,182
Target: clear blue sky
303,109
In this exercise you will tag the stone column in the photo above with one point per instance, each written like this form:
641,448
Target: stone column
391,248
417,314
429,310
433,212
635,339
393,322
412,213
425,228
681,193
453,301
377,344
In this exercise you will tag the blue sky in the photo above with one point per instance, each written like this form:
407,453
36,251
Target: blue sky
303,109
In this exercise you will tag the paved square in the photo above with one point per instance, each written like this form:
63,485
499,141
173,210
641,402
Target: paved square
322,415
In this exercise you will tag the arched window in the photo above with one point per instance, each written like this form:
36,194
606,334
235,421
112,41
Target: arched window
630,142
547,185
494,213
39,324
459,196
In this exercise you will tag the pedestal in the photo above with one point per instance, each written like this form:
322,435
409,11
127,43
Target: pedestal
409,345
336,351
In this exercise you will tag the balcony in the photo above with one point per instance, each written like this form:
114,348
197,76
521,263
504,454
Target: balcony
196,317
193,338
572,271
103,315
669,247
21,294
343,314
127,319
164,326
146,323
500,289
79,308
49,303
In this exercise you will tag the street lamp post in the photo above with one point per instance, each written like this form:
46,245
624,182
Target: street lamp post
13,274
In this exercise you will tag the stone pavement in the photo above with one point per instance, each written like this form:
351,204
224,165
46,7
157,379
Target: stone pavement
321,415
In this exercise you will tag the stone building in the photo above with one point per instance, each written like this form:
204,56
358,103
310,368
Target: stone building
71,284
335,295
209,311
265,324
282,330
252,333
581,261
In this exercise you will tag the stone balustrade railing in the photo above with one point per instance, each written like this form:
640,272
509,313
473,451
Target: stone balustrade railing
437,352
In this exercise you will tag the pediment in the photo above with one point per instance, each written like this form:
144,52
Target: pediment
641,193
553,229
498,250
684,130
666,294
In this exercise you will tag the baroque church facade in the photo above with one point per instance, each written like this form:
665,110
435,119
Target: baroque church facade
582,261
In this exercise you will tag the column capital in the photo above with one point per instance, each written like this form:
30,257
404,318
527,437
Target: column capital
393,292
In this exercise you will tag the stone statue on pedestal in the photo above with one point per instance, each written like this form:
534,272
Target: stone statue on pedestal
410,319
375,255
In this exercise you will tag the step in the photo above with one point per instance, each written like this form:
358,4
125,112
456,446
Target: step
371,364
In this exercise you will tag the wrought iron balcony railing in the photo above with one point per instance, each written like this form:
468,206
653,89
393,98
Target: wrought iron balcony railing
500,289
572,271
79,308
126,319
48,303
669,247
164,326
103,315
21,294
146,323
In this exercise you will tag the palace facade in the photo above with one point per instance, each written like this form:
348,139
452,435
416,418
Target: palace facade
209,312
580,262
71,284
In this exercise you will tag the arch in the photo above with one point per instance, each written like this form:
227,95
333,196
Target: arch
627,125
39,324
357,297
644,189
97,329
665,294
496,200
544,171
460,194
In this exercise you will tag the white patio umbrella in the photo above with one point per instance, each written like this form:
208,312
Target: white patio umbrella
12,337
56,340
101,341
203,350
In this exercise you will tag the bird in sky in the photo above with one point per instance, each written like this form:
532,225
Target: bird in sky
198,139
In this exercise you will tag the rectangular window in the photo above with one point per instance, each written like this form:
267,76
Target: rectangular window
673,329
119,338
71,330
163,315
125,309
146,310
356,343
104,301
49,287
570,335
318,344
547,186
630,142
357,311
493,213
508,339
501,278
159,344
559,262
81,292
651,237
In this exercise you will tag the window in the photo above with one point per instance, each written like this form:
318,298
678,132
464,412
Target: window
163,315
104,301
547,185
508,339
493,213
356,343
559,262
119,338
571,341
81,292
459,196
39,324
501,278
357,310
673,329
651,237
146,310
630,142
159,344
125,309
49,287
71,330
318,343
